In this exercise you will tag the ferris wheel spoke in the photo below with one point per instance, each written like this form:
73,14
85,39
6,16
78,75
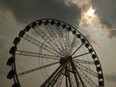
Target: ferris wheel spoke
39,44
81,55
87,78
68,42
38,68
73,43
40,61
65,40
38,55
66,36
61,37
47,39
84,61
52,34
77,49
87,70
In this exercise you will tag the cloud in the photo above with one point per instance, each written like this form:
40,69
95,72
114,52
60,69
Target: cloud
79,3
109,27
93,40
113,33
8,18
111,77
86,24
106,23
66,10
31,10
106,13
5,44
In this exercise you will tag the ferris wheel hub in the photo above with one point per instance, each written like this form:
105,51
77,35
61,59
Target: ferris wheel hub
64,59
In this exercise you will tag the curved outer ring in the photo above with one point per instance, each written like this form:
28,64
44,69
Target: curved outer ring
15,78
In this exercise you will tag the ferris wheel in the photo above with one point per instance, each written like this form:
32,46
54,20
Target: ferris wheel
52,53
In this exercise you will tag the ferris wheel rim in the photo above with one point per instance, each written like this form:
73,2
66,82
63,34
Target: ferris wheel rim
49,19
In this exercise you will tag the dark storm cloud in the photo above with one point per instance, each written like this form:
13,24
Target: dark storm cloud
113,33
106,23
111,77
110,27
31,10
105,9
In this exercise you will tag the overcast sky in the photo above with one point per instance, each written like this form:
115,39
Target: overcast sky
16,14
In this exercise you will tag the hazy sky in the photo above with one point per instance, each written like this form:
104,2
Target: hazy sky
16,14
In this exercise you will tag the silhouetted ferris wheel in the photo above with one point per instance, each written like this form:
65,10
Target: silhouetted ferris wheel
52,53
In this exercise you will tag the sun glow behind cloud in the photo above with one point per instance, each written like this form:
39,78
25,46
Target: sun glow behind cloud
88,17
90,12
89,22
